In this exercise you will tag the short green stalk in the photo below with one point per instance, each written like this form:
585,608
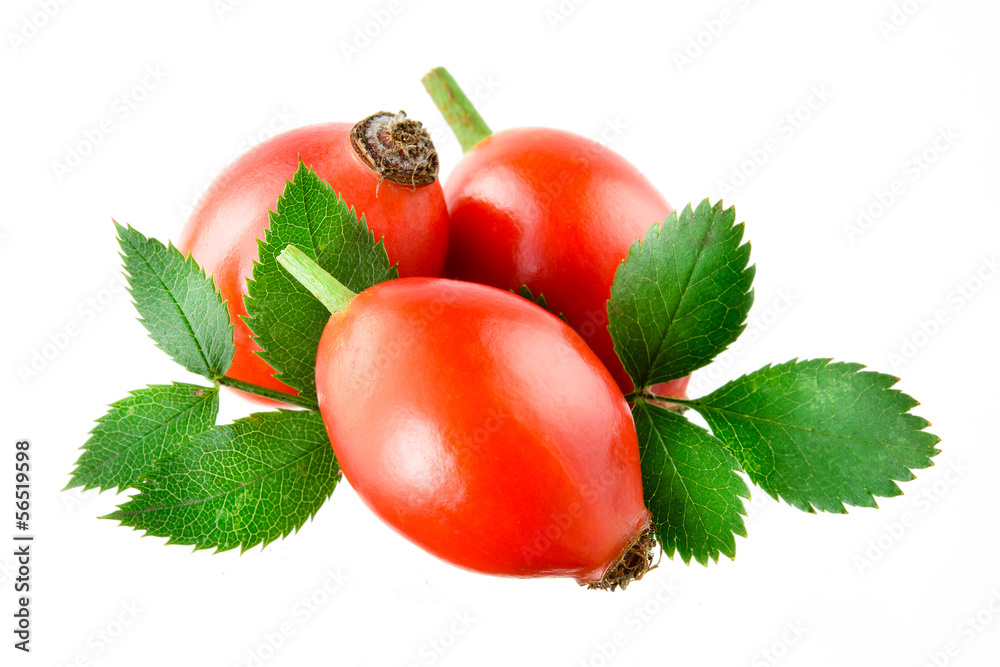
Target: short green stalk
320,284
468,126
265,392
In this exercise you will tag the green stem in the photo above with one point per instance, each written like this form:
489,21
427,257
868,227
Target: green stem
264,392
642,395
320,284
468,126
667,399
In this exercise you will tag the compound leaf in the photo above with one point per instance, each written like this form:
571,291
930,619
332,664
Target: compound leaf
682,295
178,304
238,485
691,484
819,434
148,425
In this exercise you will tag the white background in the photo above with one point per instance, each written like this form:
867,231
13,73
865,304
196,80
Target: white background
894,586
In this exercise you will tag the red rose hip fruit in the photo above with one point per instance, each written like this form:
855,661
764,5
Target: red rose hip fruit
384,166
484,429
548,209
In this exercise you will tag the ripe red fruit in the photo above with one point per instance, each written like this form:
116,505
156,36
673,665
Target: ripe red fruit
548,209
485,430
385,167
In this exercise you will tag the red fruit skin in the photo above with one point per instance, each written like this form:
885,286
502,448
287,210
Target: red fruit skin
673,389
482,428
556,212
222,234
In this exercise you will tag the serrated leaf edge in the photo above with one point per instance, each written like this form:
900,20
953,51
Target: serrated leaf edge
856,368
159,472
213,373
209,392
742,491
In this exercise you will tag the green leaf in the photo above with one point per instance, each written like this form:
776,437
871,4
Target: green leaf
150,424
819,434
178,304
691,484
682,295
540,301
238,485
285,318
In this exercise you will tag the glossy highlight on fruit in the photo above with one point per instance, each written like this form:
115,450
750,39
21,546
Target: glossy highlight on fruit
547,209
385,167
484,429
556,212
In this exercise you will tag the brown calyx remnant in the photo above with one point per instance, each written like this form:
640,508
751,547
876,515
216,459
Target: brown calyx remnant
636,560
396,148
